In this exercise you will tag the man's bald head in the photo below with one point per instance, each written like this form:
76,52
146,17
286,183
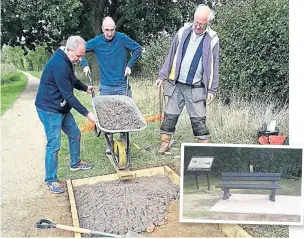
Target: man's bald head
108,28
108,21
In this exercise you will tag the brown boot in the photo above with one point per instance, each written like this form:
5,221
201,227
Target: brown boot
164,145
204,141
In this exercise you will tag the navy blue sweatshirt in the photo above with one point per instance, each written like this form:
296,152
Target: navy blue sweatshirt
57,83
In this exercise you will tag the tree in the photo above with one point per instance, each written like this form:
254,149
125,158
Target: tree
32,22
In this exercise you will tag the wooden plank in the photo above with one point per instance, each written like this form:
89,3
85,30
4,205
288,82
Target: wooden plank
73,207
124,174
249,178
148,172
175,178
250,174
111,177
249,186
93,180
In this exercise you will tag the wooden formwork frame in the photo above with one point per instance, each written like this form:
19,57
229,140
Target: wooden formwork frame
230,230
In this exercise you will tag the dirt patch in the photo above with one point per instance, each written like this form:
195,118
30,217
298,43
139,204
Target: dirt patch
117,115
173,228
115,207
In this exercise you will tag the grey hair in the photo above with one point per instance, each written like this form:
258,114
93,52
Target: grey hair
73,42
212,12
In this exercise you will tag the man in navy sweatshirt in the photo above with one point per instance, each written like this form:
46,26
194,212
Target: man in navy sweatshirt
54,100
111,50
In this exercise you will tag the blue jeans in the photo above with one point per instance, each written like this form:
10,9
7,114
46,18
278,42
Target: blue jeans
115,90
53,123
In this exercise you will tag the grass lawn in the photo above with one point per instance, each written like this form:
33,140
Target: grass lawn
11,91
228,119
36,74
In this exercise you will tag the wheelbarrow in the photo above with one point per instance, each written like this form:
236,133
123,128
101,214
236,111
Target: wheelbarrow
120,150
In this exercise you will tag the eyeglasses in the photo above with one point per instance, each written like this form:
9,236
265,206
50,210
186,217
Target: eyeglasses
108,30
201,25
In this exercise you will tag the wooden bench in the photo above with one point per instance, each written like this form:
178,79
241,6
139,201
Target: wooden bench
229,181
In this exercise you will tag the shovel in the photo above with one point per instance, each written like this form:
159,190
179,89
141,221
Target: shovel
44,223
145,148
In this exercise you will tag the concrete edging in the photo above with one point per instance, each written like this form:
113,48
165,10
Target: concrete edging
233,230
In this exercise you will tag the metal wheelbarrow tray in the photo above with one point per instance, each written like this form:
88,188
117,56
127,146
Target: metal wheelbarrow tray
120,150
118,98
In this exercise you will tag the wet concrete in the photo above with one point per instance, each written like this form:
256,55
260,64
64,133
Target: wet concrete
115,207
117,116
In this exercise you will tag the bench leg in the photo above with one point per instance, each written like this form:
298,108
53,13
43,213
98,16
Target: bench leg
226,194
272,195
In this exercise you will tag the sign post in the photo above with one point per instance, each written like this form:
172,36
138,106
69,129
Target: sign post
199,165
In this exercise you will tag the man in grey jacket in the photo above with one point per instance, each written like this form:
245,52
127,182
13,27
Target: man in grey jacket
192,70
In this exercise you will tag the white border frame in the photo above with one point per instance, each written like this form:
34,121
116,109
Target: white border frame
235,221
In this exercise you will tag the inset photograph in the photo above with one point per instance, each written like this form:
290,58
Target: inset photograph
250,184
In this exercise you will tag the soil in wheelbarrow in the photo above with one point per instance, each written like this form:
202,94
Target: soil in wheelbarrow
117,115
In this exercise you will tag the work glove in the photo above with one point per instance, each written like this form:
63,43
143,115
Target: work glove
86,70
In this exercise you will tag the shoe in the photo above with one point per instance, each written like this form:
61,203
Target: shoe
82,166
164,145
55,187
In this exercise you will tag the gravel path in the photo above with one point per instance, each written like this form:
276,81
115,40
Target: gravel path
24,195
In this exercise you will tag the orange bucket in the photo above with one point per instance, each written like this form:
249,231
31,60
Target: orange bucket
272,139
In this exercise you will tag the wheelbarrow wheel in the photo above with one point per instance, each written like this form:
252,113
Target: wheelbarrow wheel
121,154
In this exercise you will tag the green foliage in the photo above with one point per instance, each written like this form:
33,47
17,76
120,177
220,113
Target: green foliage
8,74
254,48
30,23
14,56
34,60
52,21
14,84
286,161
153,57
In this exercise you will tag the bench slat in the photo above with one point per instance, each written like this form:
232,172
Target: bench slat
249,186
248,178
250,174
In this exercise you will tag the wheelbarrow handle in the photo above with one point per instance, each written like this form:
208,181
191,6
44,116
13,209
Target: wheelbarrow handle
91,83
96,132
44,223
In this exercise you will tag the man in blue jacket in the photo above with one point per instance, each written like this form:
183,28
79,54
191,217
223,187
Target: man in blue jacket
111,50
54,100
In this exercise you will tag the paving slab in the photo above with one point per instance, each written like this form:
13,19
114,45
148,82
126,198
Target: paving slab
259,203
